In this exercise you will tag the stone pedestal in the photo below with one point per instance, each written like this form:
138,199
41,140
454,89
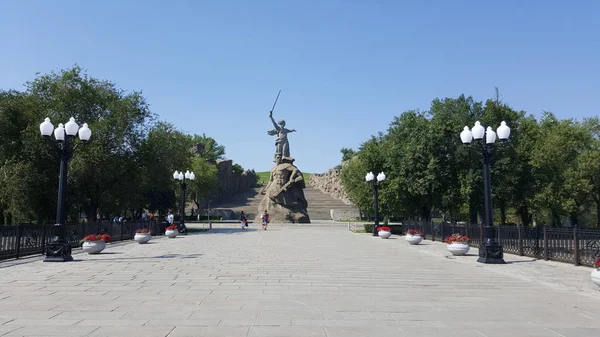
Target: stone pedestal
284,196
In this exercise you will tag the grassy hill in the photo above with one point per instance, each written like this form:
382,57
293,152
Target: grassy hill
263,177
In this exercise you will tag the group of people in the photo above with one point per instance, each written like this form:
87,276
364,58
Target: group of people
170,218
264,220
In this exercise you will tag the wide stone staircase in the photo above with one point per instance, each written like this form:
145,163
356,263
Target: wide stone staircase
319,203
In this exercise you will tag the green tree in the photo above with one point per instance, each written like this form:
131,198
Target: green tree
347,154
208,148
509,164
584,179
523,138
413,180
102,172
450,159
352,177
165,151
205,181
127,166
561,191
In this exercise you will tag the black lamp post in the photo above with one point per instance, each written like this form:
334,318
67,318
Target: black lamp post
370,177
182,177
59,249
490,251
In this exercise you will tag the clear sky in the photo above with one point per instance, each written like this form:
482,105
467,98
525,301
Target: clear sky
345,68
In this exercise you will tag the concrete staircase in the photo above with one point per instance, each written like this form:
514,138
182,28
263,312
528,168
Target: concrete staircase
246,201
319,203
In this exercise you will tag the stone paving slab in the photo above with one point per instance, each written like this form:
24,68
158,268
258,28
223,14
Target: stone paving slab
295,280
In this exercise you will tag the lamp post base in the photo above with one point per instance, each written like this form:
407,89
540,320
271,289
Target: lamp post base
491,253
58,252
183,229
375,232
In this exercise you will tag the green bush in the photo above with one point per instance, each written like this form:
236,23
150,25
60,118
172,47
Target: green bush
396,229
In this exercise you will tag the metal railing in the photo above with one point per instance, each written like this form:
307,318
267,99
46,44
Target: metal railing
572,245
30,239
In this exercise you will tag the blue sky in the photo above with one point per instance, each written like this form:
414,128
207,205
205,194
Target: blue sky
345,68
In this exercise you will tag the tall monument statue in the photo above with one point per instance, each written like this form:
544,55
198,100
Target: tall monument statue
282,145
283,195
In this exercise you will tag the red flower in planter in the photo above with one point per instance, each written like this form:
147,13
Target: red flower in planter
414,232
97,237
91,237
172,228
384,228
597,265
143,231
104,237
457,238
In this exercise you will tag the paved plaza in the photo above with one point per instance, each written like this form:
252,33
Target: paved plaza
294,280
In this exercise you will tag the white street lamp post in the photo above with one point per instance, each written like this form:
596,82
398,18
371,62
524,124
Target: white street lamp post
59,250
182,177
490,251
370,177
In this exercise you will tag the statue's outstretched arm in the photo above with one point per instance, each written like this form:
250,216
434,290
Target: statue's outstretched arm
274,124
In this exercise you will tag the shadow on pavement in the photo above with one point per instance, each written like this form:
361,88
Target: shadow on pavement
166,256
511,262
228,231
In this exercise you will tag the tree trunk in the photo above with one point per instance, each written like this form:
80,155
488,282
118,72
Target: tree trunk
92,212
598,213
425,213
555,218
502,212
597,200
574,219
523,212
472,212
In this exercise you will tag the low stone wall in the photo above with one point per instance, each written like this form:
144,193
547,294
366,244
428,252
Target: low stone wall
230,183
224,214
331,184
345,214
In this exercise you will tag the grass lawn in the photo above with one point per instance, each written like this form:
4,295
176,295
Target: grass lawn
263,177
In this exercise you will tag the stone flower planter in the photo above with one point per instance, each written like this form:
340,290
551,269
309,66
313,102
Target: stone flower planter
142,237
596,276
385,234
171,233
93,247
413,239
458,248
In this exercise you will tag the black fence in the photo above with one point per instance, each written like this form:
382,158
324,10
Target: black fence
572,245
30,239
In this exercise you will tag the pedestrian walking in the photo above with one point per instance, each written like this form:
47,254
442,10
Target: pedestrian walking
243,220
264,219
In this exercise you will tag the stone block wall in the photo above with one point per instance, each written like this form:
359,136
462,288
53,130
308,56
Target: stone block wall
345,214
331,184
230,183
